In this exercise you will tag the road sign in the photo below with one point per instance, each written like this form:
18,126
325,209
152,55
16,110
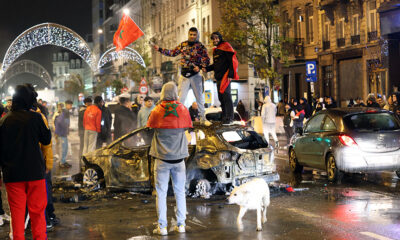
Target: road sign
143,82
124,89
311,71
143,89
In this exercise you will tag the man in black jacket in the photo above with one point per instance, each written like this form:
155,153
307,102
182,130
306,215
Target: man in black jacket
125,118
106,119
22,162
225,69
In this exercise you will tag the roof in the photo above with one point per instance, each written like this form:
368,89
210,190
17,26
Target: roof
345,111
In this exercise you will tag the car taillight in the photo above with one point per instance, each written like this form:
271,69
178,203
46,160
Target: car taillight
347,141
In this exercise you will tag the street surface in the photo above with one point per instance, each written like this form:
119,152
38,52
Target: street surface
362,207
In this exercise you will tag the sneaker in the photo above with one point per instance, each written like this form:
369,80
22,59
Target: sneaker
55,221
160,231
49,227
180,229
5,217
1,221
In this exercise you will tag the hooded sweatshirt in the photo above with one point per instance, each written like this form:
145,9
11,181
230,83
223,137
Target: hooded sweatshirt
268,111
169,119
143,116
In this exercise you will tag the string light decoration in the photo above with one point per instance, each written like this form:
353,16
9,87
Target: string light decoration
27,66
48,34
125,54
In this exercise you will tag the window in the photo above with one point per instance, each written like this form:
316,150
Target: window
182,4
193,22
370,122
310,25
298,21
208,28
141,138
372,16
314,125
329,125
325,27
355,25
340,28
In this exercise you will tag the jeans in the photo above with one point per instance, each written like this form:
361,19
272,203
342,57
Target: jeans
89,141
177,171
226,102
196,83
64,146
269,128
289,133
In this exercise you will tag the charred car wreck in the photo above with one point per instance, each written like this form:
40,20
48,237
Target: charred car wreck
219,156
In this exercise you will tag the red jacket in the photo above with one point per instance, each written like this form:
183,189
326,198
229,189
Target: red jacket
92,118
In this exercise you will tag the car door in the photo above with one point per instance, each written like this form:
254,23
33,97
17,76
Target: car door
130,159
329,130
307,146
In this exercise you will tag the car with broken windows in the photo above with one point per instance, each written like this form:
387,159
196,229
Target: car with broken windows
221,156
347,140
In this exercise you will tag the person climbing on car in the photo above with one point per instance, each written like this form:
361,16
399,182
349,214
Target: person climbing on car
169,119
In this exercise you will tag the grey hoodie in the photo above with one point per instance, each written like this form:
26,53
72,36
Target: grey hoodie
169,144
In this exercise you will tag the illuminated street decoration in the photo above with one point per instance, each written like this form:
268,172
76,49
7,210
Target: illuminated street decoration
47,34
126,54
27,66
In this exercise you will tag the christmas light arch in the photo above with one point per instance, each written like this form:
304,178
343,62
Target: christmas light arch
126,53
27,66
47,34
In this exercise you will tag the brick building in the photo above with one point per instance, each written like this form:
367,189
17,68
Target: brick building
344,38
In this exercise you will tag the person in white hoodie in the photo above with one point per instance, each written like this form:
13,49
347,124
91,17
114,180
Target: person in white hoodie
268,116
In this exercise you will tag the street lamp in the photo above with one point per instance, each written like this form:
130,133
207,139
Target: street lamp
100,31
126,11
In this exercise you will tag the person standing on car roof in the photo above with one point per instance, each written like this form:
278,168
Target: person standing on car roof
225,67
194,56
169,120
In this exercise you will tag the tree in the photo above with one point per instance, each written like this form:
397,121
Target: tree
133,70
74,85
251,26
117,85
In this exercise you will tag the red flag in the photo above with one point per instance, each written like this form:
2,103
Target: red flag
127,33
225,46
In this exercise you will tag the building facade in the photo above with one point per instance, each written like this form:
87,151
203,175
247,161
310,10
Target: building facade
344,38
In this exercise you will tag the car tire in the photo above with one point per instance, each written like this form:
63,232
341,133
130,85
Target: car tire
294,165
398,173
93,176
333,173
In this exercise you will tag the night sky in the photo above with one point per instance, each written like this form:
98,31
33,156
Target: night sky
18,15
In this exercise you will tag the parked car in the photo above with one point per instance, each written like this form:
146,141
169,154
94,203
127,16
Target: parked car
219,155
348,140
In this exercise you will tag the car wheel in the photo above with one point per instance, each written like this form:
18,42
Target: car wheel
93,177
334,174
398,173
293,163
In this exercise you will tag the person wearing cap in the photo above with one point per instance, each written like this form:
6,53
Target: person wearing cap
194,56
22,162
225,67
169,147
144,112
92,125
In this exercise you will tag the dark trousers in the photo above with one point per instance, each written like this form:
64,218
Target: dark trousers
226,102
50,206
288,132
1,205
81,136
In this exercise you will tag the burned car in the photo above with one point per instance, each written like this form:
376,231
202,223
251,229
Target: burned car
219,155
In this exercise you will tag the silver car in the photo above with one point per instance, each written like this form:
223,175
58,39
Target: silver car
350,140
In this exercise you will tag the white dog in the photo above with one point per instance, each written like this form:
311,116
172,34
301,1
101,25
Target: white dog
251,195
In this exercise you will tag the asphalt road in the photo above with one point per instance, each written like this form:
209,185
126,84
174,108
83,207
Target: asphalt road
362,207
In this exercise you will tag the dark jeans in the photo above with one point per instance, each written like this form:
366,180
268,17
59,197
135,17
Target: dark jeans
288,132
50,206
81,136
1,205
226,102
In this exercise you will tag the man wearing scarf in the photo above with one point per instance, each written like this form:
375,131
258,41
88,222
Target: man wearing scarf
225,68
194,57
169,147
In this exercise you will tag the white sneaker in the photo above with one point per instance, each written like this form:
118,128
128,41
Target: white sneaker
161,231
180,229
1,221
5,217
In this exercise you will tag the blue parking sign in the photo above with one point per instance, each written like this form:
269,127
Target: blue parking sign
311,71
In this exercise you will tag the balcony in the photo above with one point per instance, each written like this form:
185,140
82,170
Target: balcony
295,48
372,36
341,42
355,39
326,45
